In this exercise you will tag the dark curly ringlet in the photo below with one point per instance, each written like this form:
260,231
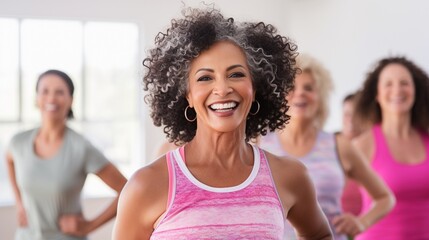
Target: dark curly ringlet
271,60
367,107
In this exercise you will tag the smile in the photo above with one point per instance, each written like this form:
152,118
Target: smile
51,107
223,107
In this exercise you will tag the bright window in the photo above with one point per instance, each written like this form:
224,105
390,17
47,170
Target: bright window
101,58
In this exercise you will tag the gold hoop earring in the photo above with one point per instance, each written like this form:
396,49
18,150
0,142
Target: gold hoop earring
257,110
186,115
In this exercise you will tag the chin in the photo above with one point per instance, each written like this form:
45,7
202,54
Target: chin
226,128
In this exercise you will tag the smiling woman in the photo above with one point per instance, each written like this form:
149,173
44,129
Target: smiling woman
48,166
394,100
223,94
214,84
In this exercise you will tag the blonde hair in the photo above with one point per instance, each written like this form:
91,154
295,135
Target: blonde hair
323,81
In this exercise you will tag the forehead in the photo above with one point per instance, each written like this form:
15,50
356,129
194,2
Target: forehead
52,80
223,53
304,78
395,71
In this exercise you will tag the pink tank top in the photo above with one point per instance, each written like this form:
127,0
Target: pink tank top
250,210
410,183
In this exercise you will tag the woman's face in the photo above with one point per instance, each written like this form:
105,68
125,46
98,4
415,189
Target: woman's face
395,89
304,99
220,87
53,98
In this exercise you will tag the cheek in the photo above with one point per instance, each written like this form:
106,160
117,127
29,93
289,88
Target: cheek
39,100
315,98
412,92
289,96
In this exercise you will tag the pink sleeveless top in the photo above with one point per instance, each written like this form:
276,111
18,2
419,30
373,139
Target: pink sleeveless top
250,210
409,219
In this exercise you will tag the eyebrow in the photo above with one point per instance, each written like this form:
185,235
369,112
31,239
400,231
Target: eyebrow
211,70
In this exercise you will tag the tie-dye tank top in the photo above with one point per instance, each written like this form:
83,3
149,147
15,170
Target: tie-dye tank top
325,170
250,210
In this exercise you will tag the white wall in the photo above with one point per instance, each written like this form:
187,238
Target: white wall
350,36
152,16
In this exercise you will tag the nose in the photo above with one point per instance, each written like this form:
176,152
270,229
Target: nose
222,88
50,97
397,88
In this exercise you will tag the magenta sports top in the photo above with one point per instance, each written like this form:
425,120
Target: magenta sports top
410,184
250,210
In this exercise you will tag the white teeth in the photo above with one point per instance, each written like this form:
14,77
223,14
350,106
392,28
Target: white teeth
222,106
397,100
51,107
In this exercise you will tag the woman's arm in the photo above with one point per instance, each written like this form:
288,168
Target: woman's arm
77,225
298,197
357,168
21,213
142,202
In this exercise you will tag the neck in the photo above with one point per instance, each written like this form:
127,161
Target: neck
299,132
52,130
349,135
219,148
397,125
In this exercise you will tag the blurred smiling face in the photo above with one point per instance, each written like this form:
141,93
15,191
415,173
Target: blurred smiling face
53,98
304,99
220,87
395,89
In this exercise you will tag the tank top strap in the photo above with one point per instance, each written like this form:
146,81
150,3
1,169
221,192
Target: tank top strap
381,153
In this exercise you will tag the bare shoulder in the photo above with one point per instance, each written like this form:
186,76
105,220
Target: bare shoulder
365,143
150,178
364,139
290,177
285,166
144,197
142,201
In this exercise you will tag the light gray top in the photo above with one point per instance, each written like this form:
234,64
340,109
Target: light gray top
52,187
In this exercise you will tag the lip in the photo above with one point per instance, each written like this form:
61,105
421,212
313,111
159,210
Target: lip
299,105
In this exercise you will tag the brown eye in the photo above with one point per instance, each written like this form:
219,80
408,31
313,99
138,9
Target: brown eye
237,75
204,78
44,91
308,88
59,92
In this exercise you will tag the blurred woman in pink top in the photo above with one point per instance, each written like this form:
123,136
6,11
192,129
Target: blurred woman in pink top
395,101
213,84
